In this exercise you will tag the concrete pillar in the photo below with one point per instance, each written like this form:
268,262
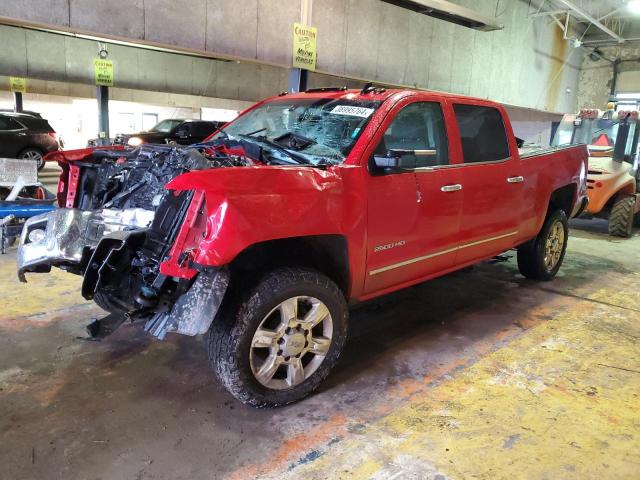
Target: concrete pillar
102,94
298,77
17,96
298,80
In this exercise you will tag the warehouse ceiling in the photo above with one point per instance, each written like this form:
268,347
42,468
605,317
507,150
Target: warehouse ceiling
600,22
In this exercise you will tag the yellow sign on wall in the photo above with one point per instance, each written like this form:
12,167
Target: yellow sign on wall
18,84
103,72
305,53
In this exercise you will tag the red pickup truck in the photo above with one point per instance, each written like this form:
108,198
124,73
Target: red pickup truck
265,233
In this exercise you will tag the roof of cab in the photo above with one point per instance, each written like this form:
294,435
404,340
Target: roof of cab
380,94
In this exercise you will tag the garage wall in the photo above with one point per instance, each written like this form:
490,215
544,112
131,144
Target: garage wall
528,63
47,56
595,76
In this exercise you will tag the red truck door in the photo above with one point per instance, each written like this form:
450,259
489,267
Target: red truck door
492,182
412,220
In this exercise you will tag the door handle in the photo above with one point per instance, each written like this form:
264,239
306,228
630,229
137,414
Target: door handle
451,188
518,179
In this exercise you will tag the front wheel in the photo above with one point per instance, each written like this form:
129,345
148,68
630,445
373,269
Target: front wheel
540,259
278,345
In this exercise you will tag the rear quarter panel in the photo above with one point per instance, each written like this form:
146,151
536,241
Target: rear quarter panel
546,172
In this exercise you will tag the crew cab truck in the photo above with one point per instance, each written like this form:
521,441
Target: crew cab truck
264,234
613,177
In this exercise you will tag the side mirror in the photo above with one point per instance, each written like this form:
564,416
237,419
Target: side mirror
399,160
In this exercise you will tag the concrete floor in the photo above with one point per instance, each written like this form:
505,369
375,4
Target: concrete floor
480,374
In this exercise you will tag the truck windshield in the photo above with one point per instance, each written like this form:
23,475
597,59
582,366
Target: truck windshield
322,131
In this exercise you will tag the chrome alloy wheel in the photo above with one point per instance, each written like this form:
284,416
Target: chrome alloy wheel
291,342
553,245
33,155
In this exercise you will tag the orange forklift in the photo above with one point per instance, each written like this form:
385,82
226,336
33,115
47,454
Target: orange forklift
613,177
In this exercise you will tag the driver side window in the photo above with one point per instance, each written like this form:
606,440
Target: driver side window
418,126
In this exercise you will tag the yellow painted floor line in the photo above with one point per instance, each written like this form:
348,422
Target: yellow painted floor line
563,397
43,293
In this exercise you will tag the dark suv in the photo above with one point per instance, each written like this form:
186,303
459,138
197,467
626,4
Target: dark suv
183,132
24,135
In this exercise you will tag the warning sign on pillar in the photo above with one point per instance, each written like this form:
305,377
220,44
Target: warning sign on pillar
18,84
304,46
103,72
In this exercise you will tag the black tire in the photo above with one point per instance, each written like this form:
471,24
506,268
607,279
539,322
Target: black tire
621,217
33,153
231,334
531,255
105,302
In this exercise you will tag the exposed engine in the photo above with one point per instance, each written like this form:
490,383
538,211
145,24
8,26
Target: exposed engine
121,230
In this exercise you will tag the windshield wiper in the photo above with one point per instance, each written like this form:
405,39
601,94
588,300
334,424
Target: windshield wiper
251,134
264,140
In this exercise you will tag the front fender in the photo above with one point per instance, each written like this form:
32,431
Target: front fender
248,205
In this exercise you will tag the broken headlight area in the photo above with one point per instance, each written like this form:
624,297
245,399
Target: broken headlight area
132,240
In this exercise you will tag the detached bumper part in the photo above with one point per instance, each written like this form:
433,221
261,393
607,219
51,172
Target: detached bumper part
67,232
63,240
193,312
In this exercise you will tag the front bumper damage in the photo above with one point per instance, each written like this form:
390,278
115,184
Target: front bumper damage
131,239
68,234
96,244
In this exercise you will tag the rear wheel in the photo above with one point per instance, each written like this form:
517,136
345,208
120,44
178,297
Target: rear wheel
278,345
35,155
541,258
621,217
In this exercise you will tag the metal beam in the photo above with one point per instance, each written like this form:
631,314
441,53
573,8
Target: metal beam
591,19
609,41
17,96
298,80
102,94
613,12
550,12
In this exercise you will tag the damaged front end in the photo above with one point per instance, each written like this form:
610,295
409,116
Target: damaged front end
131,239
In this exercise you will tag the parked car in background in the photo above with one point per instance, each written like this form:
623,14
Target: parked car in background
26,135
178,130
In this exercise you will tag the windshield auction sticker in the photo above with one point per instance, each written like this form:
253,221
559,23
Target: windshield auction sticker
352,111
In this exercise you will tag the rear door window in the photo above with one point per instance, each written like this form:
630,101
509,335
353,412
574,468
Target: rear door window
482,133
8,123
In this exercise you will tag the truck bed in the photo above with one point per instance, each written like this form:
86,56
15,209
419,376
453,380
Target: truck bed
529,151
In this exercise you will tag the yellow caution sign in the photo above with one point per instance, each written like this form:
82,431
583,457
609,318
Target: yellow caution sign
18,84
103,72
305,53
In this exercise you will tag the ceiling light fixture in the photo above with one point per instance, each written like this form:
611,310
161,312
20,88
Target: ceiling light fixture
634,6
